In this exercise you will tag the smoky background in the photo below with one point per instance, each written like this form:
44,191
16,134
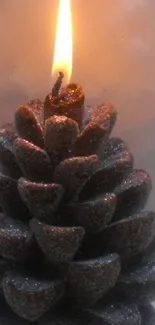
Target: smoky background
114,60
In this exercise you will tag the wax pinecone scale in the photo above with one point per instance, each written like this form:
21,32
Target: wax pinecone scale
72,207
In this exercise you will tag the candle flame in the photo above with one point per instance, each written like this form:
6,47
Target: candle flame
63,44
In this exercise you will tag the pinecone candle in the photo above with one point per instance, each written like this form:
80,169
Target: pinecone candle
72,215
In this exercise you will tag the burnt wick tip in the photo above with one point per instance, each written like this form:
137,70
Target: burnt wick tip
57,85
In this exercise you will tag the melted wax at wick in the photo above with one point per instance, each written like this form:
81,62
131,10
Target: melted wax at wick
68,101
73,217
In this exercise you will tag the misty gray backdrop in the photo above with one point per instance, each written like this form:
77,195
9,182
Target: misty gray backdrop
114,59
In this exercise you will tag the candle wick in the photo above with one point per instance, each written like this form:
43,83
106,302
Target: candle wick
57,85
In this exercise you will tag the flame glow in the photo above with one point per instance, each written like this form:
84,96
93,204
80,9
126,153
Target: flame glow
63,44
